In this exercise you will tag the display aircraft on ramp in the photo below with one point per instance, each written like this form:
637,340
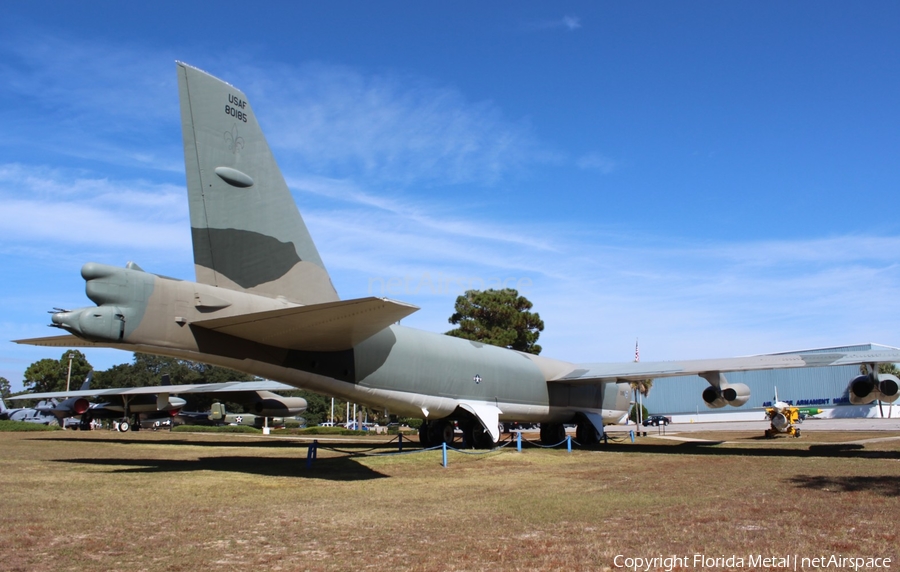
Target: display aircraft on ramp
49,411
263,303
130,404
40,414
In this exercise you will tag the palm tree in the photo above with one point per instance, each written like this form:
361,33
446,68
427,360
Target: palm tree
640,387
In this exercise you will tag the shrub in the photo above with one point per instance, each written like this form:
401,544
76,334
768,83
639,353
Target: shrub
413,422
633,414
25,426
218,429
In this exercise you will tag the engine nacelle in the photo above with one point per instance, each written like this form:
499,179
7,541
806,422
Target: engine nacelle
272,405
734,394
72,406
865,389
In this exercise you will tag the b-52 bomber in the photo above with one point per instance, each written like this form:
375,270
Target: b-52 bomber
264,304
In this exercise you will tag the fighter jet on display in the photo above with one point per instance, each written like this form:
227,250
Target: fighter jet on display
264,304
40,414
48,411
129,405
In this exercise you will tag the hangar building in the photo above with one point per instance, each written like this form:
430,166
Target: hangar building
822,387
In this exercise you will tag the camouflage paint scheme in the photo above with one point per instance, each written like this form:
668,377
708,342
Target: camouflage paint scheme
264,304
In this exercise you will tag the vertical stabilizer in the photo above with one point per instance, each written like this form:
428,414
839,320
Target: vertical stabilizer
247,232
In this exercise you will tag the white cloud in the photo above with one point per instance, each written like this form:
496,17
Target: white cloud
598,162
425,216
596,289
571,22
389,128
568,22
66,207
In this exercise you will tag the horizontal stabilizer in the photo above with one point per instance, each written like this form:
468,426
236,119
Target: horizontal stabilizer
332,326
67,341
222,387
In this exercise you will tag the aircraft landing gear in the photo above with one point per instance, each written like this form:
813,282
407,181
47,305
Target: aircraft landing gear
477,437
432,433
552,433
585,432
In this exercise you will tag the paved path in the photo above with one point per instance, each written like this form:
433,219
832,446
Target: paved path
871,424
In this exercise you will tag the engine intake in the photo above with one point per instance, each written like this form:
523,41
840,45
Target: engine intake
865,389
734,394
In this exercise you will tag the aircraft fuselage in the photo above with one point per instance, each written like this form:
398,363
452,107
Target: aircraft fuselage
410,372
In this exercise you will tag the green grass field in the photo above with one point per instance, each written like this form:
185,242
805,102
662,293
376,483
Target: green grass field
177,501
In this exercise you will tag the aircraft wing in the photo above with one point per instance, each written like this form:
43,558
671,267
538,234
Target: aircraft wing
332,326
224,387
594,372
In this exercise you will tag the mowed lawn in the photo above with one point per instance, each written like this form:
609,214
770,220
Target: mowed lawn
178,501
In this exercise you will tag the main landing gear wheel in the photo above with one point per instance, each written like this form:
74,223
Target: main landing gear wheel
552,433
423,435
586,433
433,433
478,437
441,431
124,426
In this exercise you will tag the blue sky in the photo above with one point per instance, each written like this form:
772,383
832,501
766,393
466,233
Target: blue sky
714,178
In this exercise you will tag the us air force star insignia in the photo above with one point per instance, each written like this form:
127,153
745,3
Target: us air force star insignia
477,378
239,419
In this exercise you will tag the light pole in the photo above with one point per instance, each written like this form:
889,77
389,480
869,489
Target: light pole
69,375
68,379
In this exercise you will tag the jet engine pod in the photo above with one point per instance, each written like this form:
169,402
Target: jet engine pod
276,406
80,406
713,398
865,389
72,406
890,387
734,394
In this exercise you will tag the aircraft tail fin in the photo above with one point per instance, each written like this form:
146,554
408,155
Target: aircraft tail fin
247,232
87,381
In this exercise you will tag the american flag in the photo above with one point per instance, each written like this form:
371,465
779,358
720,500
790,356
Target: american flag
637,352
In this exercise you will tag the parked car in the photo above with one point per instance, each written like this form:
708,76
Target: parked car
657,420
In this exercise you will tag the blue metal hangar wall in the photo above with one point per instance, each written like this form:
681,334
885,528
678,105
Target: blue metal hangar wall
822,387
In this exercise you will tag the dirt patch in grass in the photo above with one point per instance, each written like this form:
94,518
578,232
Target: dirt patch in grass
170,501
